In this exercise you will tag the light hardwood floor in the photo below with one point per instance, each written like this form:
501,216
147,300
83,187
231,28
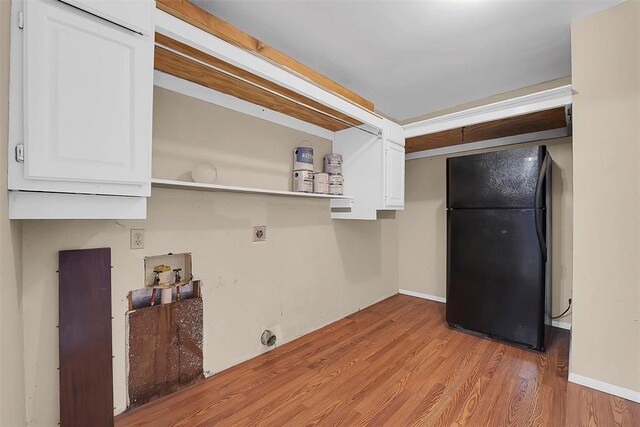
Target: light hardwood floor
395,363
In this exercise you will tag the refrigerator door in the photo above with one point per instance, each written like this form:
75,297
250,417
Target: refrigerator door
500,179
496,274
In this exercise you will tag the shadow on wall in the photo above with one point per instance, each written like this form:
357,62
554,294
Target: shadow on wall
353,258
561,270
428,252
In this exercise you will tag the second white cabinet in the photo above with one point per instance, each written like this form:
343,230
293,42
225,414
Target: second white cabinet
393,176
393,167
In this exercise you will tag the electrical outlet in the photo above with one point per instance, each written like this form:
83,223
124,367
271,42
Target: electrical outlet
260,233
136,240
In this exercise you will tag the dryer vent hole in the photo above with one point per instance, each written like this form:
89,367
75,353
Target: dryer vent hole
268,338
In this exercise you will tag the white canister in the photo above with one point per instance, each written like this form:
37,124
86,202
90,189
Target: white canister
336,179
303,181
333,163
321,182
336,189
303,159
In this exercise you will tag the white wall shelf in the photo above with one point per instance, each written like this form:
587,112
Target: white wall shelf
185,185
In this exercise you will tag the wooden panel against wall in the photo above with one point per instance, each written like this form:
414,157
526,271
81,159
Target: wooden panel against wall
86,372
165,349
202,19
511,126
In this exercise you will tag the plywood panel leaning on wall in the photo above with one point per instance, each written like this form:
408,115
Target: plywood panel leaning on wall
86,372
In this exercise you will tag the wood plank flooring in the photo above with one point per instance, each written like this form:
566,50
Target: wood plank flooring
395,363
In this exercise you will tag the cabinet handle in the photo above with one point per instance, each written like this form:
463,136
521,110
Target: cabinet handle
20,153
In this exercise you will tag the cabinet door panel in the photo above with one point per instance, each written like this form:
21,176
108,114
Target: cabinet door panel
133,14
88,92
394,177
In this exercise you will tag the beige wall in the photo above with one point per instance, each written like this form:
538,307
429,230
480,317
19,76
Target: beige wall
12,397
606,81
311,271
422,225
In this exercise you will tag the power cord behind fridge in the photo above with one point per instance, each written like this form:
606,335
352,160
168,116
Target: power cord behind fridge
564,312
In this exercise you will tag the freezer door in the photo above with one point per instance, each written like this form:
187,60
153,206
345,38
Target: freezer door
496,274
500,179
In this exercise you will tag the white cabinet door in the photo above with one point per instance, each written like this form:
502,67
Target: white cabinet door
394,176
133,14
362,167
88,99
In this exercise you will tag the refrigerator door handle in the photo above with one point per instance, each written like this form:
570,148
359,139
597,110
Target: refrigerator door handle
539,211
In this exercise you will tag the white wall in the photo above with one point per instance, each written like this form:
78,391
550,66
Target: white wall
606,80
422,226
311,271
12,396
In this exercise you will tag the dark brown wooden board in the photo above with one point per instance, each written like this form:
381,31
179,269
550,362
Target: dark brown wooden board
86,370
165,349
511,126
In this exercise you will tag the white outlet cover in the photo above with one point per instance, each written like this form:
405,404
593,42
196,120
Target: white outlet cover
260,233
136,238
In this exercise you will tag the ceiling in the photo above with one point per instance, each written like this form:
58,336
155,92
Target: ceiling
415,57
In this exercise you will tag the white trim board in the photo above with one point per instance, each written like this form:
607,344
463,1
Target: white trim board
539,101
561,325
193,90
39,205
555,323
423,296
490,143
615,390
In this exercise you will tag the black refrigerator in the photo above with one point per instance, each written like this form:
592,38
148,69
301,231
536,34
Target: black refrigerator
499,245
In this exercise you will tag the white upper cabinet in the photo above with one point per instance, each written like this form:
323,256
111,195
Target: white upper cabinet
394,164
373,168
88,88
394,176
133,14
362,170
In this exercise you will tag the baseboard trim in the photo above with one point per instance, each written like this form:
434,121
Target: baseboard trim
423,296
561,325
615,390
555,323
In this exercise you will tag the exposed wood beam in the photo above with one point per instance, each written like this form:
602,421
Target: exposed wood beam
172,63
524,124
202,19
211,96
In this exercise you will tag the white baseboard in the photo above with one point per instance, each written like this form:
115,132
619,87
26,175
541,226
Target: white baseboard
561,325
556,323
423,296
615,390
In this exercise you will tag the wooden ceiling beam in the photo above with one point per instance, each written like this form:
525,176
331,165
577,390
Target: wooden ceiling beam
511,126
164,41
202,19
193,71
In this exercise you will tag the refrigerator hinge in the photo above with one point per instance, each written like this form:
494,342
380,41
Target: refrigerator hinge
21,20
